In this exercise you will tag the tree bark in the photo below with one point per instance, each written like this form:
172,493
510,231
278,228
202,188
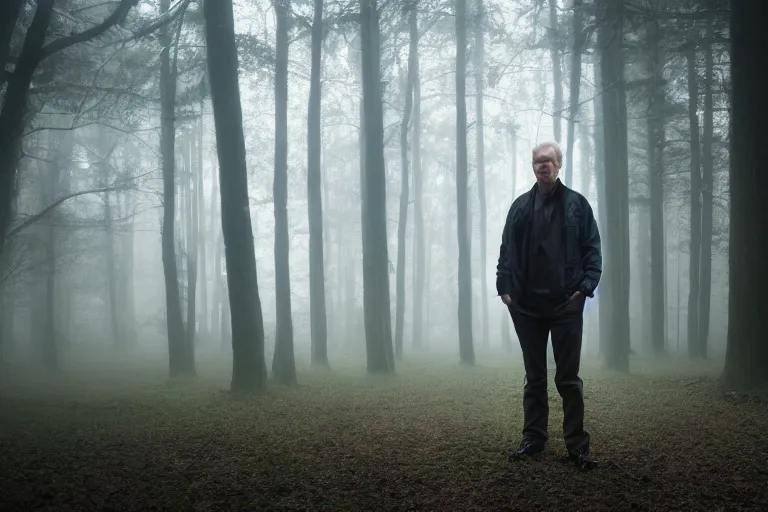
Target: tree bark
378,323
317,306
656,143
575,86
404,193
707,184
9,14
283,364
746,359
466,347
174,320
616,260
249,371
694,267
418,189
480,148
557,71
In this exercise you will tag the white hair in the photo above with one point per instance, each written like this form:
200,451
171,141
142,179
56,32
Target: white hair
553,145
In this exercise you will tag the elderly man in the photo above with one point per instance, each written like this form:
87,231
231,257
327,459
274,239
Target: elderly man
549,263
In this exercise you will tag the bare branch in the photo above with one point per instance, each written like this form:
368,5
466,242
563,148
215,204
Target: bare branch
34,218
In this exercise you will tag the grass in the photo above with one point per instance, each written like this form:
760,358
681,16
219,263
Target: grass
429,439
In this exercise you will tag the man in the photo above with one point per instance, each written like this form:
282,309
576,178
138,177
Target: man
549,263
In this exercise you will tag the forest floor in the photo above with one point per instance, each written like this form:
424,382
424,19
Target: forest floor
431,438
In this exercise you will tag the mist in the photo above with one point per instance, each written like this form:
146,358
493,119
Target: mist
235,232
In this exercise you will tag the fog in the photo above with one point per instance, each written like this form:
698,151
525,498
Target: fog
384,143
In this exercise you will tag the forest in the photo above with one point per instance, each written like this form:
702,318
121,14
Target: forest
248,251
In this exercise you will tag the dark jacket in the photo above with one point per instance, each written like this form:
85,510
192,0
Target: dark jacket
583,260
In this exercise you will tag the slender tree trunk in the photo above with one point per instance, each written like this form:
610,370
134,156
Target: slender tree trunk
557,72
707,184
418,188
283,364
695,241
604,291
249,371
466,346
378,323
480,147
174,320
50,186
200,230
404,196
14,110
113,279
746,359
317,306
573,110
506,334
656,143
585,150
9,14
616,260
192,222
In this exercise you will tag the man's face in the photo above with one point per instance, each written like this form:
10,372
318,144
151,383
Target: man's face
545,166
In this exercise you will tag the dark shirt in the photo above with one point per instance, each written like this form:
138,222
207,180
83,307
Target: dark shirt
545,279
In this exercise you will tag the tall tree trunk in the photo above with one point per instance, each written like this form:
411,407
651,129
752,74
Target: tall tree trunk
656,143
557,71
604,291
317,306
218,299
707,184
746,359
466,346
506,334
200,230
113,279
378,323
249,370
695,242
616,261
14,110
404,194
9,14
585,151
192,222
418,188
480,148
283,364
174,320
573,110
50,187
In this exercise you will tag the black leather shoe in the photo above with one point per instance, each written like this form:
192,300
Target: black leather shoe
528,448
581,459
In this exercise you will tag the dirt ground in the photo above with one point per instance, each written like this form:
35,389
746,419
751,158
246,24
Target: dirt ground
431,438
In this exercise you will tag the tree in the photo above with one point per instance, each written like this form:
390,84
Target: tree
694,268
746,359
616,176
14,107
466,347
317,307
480,148
249,371
418,187
174,320
378,323
404,191
283,365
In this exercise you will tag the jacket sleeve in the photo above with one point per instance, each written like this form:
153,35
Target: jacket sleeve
591,256
504,284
